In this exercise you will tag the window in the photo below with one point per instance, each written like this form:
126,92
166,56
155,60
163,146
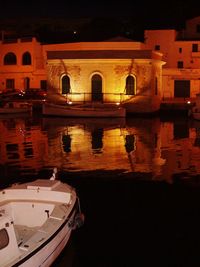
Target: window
180,64
26,58
26,83
180,50
65,85
194,47
4,238
182,88
43,85
10,59
130,85
157,47
10,84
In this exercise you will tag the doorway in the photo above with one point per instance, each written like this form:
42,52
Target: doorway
97,88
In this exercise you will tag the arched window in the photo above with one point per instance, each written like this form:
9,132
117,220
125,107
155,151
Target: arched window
26,58
130,85
10,59
65,85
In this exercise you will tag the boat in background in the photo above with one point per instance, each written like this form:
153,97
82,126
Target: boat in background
36,221
85,110
15,107
195,110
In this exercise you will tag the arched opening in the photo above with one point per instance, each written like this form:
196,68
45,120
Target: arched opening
26,58
65,85
10,59
130,85
97,88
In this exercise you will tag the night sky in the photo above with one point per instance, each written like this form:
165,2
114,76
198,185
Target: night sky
150,11
144,14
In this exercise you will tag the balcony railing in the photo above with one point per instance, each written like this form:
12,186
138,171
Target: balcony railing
96,97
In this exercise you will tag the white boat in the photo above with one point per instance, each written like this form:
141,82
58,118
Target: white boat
100,110
15,108
195,111
36,221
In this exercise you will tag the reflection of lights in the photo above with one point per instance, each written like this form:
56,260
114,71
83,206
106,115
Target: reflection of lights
117,103
69,102
22,131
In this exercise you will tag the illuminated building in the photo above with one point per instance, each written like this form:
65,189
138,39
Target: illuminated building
181,52
138,75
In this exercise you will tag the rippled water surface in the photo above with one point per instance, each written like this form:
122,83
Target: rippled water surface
137,178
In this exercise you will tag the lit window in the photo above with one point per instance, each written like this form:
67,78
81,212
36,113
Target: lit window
4,238
10,59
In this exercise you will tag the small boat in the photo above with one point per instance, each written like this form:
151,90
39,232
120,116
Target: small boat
15,107
36,221
89,111
195,110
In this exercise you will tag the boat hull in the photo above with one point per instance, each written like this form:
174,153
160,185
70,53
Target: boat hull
28,241
49,252
88,112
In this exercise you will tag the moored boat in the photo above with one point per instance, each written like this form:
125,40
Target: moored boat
101,110
36,221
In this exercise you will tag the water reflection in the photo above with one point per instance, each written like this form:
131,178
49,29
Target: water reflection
147,145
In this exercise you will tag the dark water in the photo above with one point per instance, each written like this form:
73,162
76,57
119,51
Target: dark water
137,179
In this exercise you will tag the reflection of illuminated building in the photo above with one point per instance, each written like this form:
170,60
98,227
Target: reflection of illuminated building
148,146
22,145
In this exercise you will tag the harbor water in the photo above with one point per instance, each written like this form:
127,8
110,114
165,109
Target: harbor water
138,180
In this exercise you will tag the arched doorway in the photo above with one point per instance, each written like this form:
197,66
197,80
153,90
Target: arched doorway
97,88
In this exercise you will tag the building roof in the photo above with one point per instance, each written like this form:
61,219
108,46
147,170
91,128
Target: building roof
100,54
